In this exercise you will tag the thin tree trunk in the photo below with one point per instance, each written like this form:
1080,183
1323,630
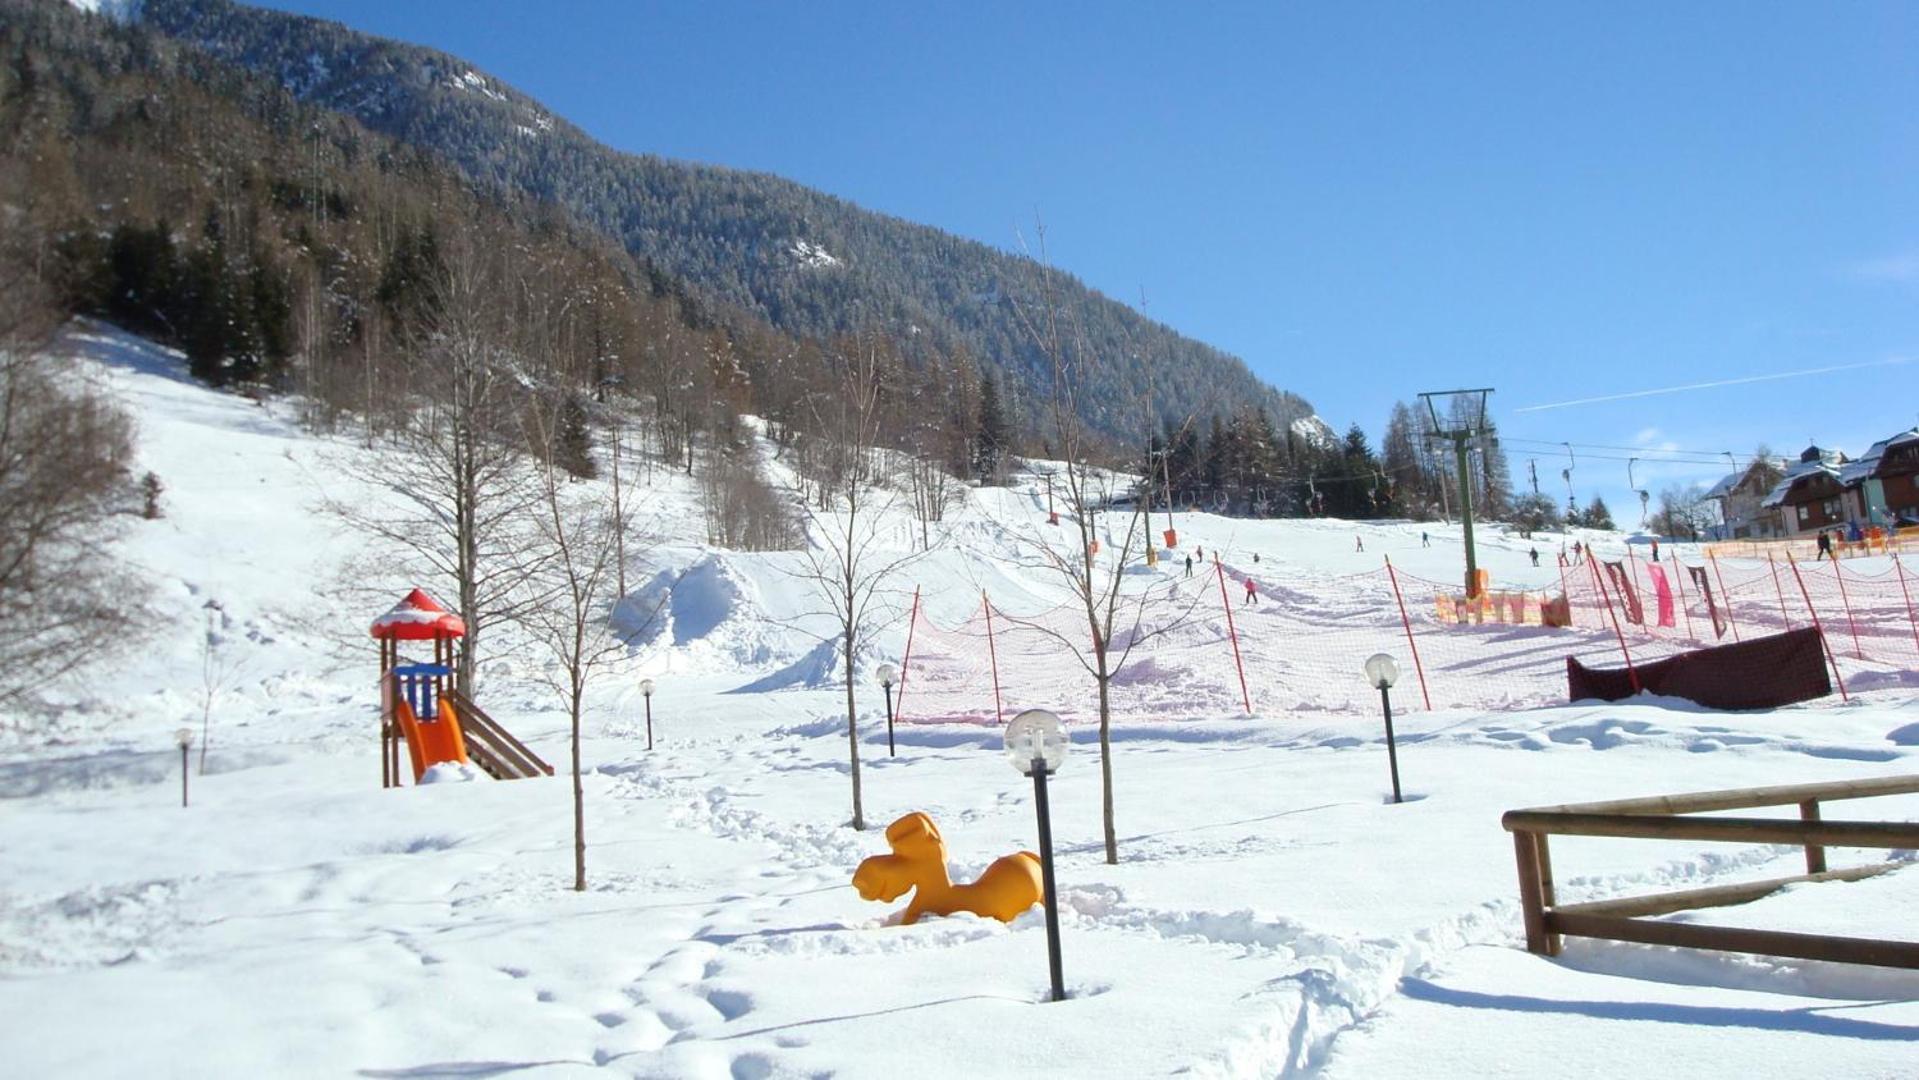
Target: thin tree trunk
1106,765
853,735
579,803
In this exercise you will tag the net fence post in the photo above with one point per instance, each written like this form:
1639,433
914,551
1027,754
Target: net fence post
1899,568
1725,599
1679,582
1632,673
906,661
1565,591
1783,617
1839,575
992,654
1830,658
1232,633
1418,668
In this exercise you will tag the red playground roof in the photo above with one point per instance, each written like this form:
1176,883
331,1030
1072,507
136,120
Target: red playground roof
418,618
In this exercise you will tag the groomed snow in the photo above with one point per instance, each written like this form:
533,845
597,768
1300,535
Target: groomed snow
1273,913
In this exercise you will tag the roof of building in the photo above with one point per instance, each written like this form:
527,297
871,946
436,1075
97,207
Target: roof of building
1811,463
1868,462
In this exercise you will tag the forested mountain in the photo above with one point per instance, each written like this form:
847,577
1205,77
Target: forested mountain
813,265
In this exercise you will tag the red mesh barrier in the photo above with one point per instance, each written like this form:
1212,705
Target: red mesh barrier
1302,643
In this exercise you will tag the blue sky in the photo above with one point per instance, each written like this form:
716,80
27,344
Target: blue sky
1364,201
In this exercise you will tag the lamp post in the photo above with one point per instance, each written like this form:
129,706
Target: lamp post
646,691
1382,671
184,737
887,674
1036,745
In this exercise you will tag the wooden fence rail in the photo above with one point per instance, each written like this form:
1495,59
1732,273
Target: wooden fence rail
1663,817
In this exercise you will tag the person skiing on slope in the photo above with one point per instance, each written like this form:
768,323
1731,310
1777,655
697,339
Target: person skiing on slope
1825,548
1189,566
1535,554
1255,557
1425,540
1359,543
1655,549
1252,593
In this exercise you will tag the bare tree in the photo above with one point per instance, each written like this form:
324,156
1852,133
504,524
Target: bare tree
847,561
1092,562
220,671
65,458
568,590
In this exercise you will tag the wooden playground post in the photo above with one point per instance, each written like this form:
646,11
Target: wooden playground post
1632,673
1830,658
1724,599
1418,668
1232,634
992,654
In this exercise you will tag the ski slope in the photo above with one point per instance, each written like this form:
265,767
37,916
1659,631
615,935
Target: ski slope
1273,914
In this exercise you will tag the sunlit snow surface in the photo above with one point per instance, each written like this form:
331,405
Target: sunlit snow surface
1272,913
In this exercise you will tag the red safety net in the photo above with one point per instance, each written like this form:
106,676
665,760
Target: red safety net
1300,646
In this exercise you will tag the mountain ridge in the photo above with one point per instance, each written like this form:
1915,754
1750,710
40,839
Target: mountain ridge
812,263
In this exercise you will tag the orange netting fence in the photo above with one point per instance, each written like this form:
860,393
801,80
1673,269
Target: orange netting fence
1203,648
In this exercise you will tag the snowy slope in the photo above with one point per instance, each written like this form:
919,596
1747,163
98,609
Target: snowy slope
1272,914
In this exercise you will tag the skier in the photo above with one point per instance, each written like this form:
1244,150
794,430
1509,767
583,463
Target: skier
1655,549
1825,548
1255,557
1579,553
1359,543
1535,554
1425,540
1252,593
1201,552
1189,566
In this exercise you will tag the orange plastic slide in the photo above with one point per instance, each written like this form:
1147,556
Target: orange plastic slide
432,741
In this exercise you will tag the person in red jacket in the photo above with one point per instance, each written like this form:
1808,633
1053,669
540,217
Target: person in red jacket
1252,593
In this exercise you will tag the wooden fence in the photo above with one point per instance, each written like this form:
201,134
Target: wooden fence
1664,817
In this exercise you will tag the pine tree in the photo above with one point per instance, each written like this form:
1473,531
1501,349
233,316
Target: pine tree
573,444
1597,515
994,437
1400,460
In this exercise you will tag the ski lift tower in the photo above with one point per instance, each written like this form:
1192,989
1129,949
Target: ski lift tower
1463,423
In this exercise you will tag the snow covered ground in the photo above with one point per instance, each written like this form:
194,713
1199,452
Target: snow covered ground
1273,913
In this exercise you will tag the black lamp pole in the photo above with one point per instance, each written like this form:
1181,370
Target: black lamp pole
649,720
889,719
1392,751
1045,811
183,774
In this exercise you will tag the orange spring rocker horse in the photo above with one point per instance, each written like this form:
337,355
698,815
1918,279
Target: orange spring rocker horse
918,862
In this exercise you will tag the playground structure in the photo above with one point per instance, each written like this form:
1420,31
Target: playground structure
1198,653
1668,817
418,705
918,862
